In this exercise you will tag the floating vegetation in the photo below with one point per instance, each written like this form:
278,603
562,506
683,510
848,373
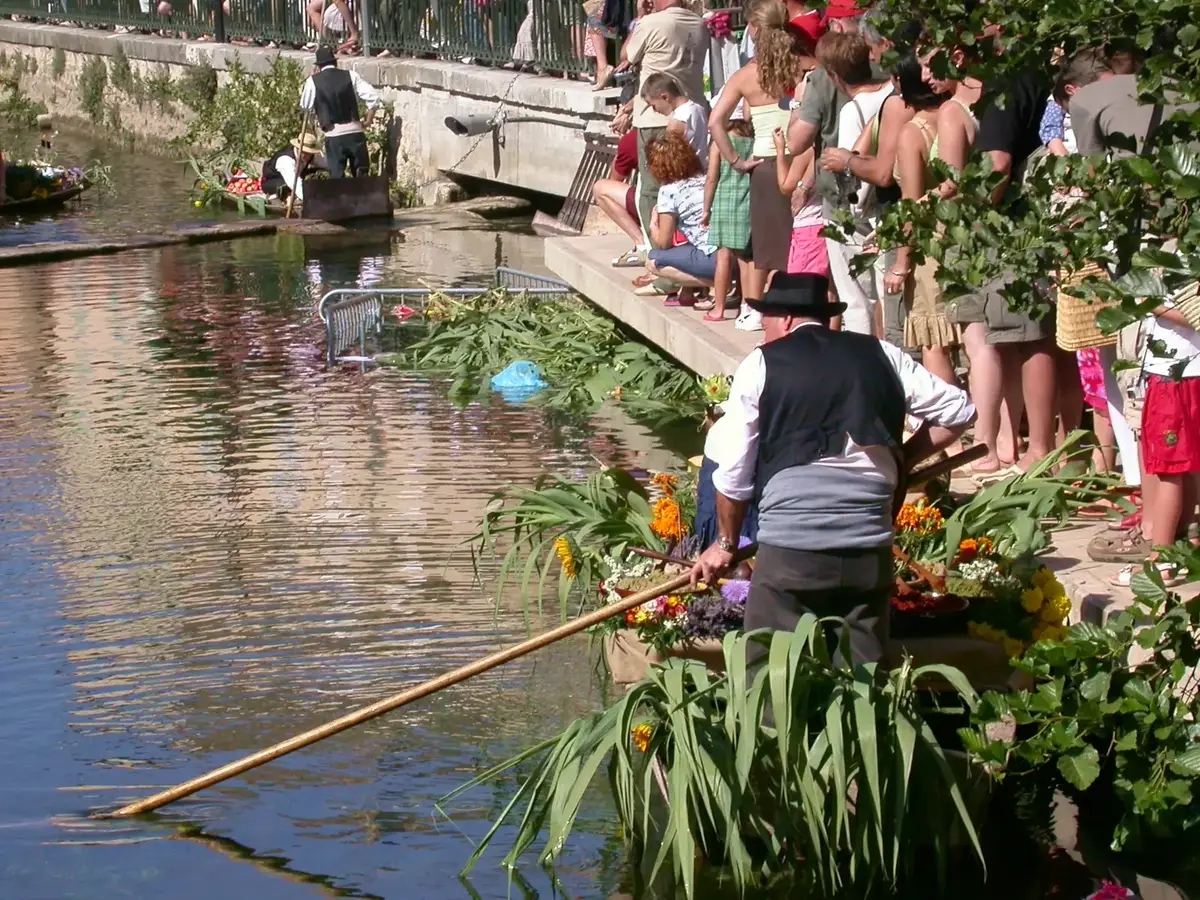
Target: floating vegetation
585,356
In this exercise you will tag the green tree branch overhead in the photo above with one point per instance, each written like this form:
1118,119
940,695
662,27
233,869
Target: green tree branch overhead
1134,214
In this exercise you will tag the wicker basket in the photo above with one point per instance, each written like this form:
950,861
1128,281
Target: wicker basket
1187,301
1076,327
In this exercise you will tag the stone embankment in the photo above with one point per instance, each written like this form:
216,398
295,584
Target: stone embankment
131,84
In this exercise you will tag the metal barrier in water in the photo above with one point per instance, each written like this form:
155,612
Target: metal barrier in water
354,316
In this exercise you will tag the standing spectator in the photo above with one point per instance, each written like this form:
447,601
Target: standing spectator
672,40
334,17
1016,357
765,84
846,59
925,325
727,211
686,117
796,175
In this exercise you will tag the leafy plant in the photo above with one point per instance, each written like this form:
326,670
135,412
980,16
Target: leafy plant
1135,213
558,525
1017,514
801,768
120,72
248,115
585,356
210,175
1119,732
92,81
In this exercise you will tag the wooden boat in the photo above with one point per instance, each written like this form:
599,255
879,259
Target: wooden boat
329,200
43,204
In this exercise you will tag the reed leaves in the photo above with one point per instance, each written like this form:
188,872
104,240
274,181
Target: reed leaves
796,766
584,355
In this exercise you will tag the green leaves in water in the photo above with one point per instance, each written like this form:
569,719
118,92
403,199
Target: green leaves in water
584,355
800,768
562,532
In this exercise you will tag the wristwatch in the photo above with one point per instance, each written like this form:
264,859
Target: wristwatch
726,544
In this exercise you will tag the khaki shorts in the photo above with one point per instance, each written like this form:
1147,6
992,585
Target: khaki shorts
1004,326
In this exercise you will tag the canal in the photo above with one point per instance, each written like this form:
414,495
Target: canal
209,542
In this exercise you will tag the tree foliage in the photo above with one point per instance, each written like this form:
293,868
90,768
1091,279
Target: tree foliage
1135,214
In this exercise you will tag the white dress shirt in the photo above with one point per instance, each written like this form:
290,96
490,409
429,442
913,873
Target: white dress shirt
732,442
366,93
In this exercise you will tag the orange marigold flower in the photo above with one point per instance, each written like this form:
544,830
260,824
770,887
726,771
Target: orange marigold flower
666,522
666,483
640,735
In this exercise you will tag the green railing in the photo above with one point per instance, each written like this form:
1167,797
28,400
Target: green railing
545,34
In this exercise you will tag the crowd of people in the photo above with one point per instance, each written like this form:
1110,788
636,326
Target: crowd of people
801,153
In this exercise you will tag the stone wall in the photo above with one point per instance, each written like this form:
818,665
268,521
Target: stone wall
61,64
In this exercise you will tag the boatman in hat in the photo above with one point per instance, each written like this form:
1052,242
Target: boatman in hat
813,431
333,94
287,168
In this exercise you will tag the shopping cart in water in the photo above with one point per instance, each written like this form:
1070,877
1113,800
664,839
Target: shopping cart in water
354,317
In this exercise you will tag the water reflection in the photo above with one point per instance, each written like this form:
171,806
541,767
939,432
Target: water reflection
212,543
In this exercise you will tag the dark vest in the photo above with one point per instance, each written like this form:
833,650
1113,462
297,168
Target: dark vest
821,387
272,181
336,103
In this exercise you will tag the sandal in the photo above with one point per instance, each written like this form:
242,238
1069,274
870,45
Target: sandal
644,280
1131,547
630,259
1171,576
1002,474
705,305
713,317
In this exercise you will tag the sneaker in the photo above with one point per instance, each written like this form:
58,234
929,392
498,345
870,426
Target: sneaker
749,320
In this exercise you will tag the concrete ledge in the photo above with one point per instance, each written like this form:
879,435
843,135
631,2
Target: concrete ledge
706,348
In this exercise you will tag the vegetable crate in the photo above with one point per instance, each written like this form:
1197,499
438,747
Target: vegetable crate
354,317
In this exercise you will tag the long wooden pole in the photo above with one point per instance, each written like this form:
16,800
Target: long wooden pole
366,713
291,204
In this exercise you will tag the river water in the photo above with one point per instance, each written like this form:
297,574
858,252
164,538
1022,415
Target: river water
209,542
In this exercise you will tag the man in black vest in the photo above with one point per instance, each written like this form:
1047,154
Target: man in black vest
813,430
333,94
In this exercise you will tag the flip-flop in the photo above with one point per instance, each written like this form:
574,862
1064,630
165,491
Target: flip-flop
710,317
644,280
1001,474
704,305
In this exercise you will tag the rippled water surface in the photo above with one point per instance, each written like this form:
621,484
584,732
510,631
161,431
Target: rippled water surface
208,543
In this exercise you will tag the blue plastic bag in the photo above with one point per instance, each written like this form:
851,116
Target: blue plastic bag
520,381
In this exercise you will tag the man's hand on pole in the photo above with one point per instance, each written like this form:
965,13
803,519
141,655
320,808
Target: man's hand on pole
711,565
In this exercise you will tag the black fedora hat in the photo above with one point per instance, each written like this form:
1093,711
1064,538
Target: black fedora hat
798,295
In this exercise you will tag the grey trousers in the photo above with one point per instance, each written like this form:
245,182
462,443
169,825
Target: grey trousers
853,585
647,194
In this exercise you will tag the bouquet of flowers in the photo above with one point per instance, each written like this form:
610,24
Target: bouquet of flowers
1014,602
921,531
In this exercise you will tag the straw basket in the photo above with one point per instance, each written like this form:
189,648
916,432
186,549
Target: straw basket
1187,301
1076,327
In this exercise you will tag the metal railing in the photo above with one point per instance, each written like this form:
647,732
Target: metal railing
548,35
354,316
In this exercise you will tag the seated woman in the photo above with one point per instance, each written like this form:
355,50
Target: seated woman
693,263
279,172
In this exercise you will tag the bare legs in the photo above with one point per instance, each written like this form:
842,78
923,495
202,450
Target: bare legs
609,195
937,360
987,391
1038,387
723,281
676,275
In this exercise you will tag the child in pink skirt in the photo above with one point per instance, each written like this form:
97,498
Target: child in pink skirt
807,253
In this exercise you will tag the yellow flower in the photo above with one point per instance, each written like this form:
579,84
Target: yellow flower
562,547
1055,610
1041,577
973,629
641,736
1056,632
1013,647
1032,600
